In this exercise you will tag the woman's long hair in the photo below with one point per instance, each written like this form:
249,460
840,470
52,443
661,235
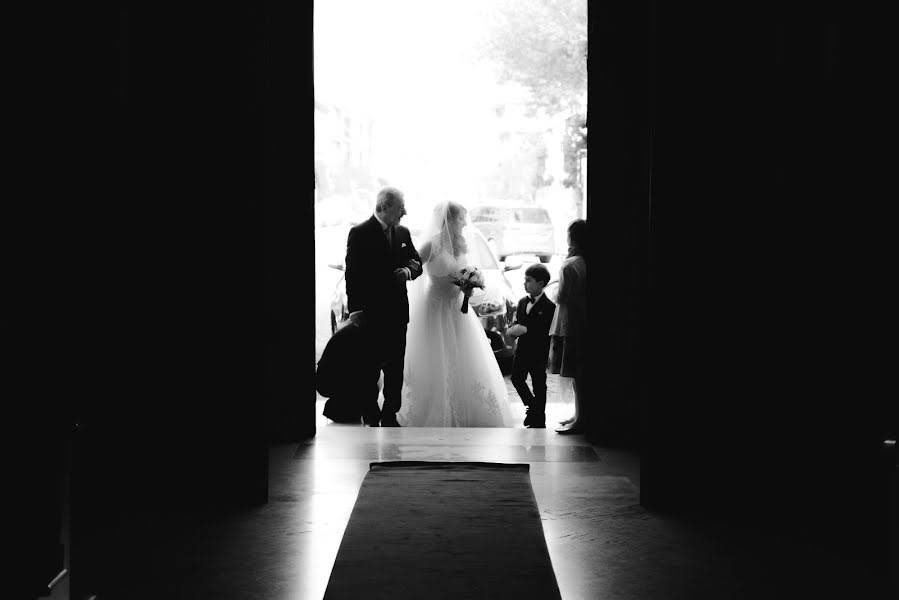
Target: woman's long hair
444,232
455,211
577,238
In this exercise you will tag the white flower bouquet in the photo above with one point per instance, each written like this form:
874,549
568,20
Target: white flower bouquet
468,278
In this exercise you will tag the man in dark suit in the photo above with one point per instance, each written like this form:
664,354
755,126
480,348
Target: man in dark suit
380,259
347,374
532,320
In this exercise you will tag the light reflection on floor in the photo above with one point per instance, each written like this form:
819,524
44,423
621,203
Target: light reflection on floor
329,492
601,541
557,409
328,471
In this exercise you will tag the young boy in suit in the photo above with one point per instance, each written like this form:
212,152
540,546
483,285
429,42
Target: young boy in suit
532,321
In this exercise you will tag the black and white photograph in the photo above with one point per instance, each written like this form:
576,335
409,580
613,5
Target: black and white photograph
298,304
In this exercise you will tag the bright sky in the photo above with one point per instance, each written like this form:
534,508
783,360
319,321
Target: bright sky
400,48
403,62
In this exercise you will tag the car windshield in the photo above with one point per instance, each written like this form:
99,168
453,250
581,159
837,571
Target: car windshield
486,214
530,215
479,253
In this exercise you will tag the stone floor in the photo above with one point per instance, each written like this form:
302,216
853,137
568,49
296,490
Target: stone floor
603,544
559,393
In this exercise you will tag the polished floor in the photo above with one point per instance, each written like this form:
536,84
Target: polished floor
603,544
567,475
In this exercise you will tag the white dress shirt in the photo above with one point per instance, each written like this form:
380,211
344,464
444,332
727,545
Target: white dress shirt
531,304
527,309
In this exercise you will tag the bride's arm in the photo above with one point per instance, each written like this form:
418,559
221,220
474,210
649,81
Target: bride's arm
425,252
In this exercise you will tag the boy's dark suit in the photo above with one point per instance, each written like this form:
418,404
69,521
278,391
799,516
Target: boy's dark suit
372,288
532,355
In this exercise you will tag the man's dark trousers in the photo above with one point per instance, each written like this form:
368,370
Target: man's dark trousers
390,345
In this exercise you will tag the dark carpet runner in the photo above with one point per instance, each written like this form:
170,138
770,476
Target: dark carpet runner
444,530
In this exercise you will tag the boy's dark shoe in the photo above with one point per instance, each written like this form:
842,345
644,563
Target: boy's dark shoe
389,421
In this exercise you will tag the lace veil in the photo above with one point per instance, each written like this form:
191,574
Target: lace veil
447,238
443,246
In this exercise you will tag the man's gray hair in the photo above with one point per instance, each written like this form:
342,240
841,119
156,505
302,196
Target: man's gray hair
387,197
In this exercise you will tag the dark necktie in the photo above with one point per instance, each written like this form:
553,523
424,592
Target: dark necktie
390,237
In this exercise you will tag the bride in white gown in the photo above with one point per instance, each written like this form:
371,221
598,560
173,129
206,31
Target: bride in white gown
450,378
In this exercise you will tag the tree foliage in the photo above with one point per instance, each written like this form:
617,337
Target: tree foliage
574,141
520,175
542,45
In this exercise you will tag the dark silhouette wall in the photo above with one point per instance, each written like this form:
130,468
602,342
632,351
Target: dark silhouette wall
619,126
166,219
289,224
748,371
162,304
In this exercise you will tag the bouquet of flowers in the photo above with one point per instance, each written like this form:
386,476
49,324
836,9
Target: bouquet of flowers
468,278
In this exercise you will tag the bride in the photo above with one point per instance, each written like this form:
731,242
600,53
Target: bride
450,376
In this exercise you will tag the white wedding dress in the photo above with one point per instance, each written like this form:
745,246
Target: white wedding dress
451,378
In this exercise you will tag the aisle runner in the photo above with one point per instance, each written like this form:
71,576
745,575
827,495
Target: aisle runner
444,530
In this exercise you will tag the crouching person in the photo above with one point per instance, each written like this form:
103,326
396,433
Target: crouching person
348,374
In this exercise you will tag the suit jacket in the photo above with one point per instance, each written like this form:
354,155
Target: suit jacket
371,285
347,365
534,345
347,374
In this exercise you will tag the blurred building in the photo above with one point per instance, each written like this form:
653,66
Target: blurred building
529,154
343,149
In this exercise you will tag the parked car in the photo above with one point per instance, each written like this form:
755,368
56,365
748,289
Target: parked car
495,305
515,229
